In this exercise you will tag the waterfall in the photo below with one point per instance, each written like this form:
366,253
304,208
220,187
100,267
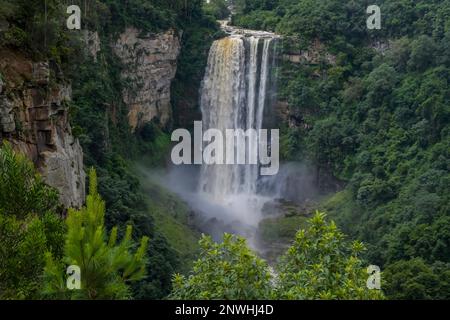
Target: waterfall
237,92
234,95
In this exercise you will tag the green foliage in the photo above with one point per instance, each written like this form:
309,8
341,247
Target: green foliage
22,247
415,279
330,20
38,28
106,266
423,51
172,218
260,19
29,229
22,190
257,15
15,37
308,18
152,16
248,6
289,141
321,265
217,8
281,229
229,270
155,145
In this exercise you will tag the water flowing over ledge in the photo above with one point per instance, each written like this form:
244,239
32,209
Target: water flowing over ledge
236,31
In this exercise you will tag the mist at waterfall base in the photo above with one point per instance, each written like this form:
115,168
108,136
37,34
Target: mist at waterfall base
236,213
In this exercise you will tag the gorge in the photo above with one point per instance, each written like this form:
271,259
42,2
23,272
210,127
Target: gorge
361,116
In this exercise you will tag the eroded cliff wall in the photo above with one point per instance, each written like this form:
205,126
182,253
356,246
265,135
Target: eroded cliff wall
34,118
34,100
149,66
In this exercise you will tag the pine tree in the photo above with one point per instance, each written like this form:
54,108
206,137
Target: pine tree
29,226
22,190
106,266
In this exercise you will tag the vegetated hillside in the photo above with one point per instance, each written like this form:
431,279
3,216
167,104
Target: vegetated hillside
372,107
98,114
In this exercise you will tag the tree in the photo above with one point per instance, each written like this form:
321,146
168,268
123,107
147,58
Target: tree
106,266
415,279
423,51
28,226
23,245
321,265
217,8
229,270
22,190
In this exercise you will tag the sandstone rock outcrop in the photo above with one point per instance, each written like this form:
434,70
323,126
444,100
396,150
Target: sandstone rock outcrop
150,64
34,118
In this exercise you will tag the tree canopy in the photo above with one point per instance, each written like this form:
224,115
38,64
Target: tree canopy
320,264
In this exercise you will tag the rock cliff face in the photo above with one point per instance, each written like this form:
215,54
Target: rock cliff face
34,110
150,64
33,117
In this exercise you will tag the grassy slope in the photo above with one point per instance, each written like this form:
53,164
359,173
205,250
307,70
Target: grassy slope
172,219
341,204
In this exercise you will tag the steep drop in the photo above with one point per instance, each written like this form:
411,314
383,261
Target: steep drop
235,92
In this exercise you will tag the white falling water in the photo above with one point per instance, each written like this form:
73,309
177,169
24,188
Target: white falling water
234,96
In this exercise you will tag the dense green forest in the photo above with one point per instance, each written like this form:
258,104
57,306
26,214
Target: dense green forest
377,120
375,117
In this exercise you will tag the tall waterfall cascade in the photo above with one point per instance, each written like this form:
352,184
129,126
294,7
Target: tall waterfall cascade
237,89
238,92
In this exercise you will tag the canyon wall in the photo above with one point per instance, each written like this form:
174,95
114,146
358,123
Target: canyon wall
34,118
34,100
150,65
